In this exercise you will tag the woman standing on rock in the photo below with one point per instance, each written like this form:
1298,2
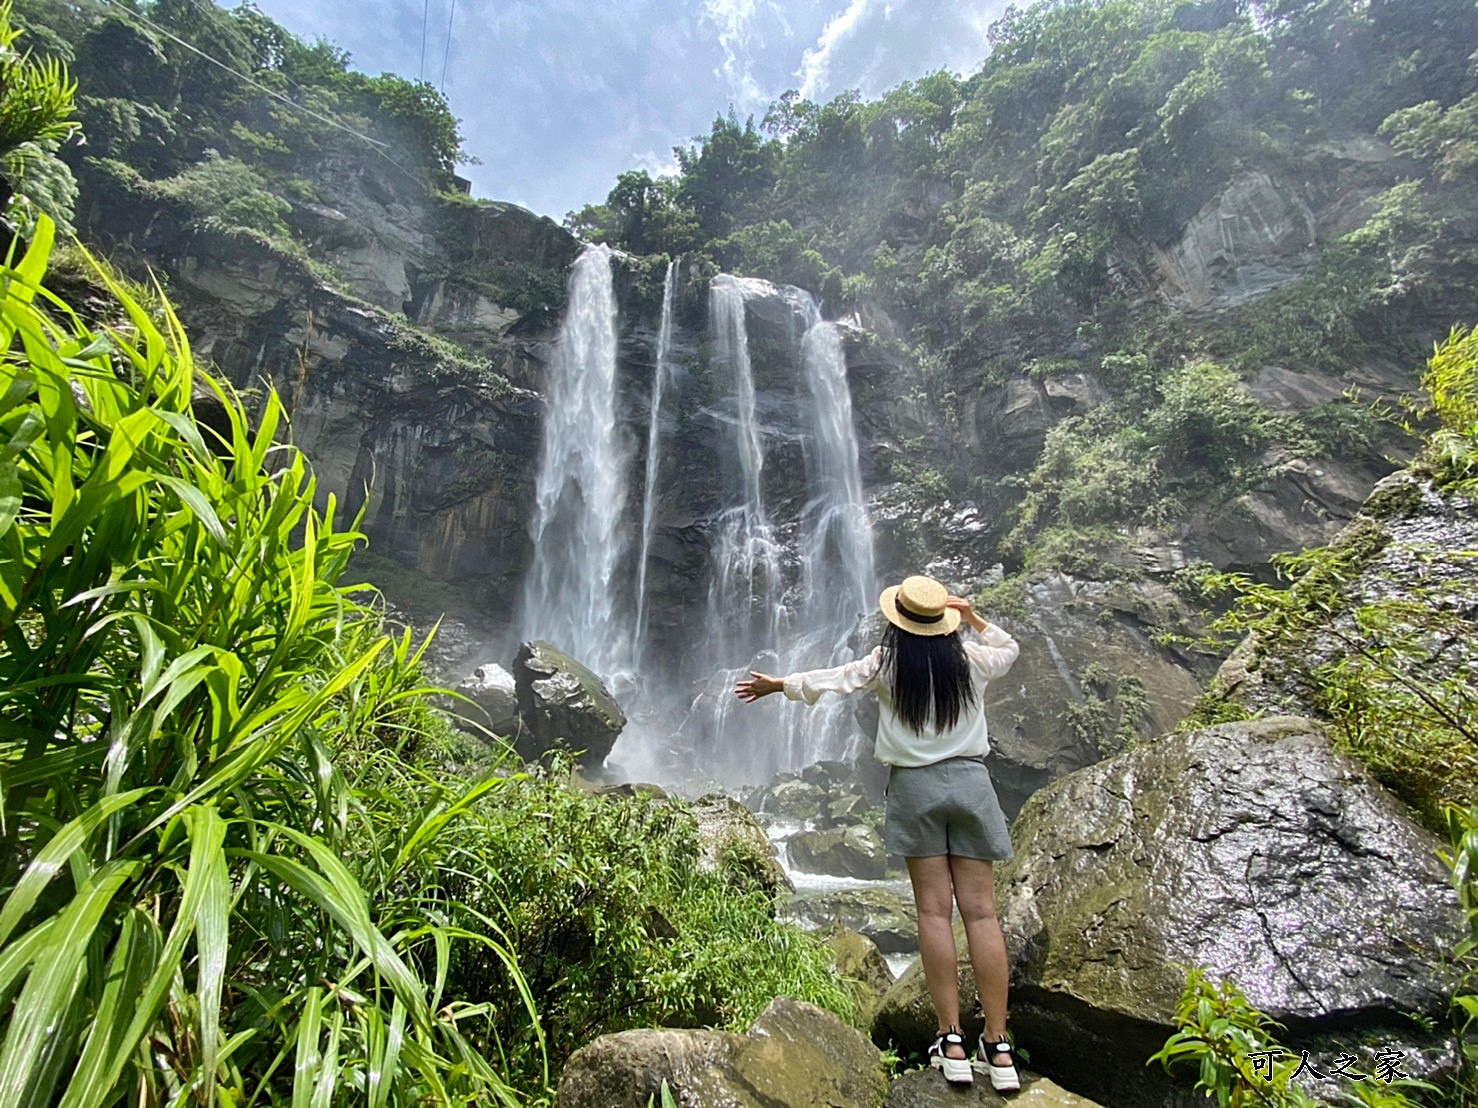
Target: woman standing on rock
942,812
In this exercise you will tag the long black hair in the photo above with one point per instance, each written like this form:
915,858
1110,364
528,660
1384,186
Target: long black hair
929,676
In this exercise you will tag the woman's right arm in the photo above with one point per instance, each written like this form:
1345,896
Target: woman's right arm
849,678
810,684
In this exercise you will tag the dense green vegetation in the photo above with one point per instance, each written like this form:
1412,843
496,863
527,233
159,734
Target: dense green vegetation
995,218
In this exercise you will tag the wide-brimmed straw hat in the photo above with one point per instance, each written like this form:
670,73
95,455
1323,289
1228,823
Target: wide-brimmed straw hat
918,606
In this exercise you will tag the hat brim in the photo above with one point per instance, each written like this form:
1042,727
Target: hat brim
887,603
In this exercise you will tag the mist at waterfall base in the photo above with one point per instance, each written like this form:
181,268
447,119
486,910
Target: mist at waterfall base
782,595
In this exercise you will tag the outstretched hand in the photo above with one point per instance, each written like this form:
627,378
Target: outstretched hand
758,685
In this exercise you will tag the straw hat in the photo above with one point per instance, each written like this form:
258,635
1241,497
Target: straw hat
918,606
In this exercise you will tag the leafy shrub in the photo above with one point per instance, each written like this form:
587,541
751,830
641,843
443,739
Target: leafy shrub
177,664
601,902
226,192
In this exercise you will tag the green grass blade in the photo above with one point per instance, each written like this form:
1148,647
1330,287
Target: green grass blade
307,1058
207,835
337,892
57,970
133,957
55,854
211,935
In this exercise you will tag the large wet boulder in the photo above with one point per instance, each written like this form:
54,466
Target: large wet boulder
563,704
1253,849
794,1055
790,798
928,1089
494,699
732,842
855,851
884,916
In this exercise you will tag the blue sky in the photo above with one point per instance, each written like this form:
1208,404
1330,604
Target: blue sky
557,97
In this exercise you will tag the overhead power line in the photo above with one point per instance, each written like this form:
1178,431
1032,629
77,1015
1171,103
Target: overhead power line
452,11
425,19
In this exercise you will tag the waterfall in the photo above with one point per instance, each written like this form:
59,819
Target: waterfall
569,596
654,455
744,595
838,582
756,617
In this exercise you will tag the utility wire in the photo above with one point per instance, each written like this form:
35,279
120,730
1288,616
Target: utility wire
375,144
425,19
444,58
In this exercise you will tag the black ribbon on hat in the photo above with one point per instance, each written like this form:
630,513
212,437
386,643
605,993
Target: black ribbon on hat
906,614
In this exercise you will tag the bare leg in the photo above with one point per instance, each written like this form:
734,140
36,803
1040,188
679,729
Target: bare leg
975,891
932,897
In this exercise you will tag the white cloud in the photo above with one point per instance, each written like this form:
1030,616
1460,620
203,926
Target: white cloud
816,61
873,45
736,23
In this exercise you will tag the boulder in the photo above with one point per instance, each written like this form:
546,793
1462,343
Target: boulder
847,808
790,798
1253,849
858,958
1049,715
563,703
843,851
794,1055
927,1089
884,916
731,841
494,699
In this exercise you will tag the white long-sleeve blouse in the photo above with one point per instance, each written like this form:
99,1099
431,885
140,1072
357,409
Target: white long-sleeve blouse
896,744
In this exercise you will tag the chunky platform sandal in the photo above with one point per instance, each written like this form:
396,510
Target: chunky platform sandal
1003,1079
956,1070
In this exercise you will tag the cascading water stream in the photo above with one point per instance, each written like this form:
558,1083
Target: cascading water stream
838,582
755,616
744,595
569,597
654,455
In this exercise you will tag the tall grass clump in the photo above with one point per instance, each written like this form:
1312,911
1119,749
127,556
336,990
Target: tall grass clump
192,913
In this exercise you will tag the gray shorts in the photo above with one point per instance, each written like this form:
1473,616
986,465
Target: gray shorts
948,807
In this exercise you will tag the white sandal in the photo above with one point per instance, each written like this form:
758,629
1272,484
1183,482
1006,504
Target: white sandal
1003,1079
956,1070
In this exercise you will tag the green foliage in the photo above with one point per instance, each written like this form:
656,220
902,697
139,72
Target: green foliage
1239,1061
1218,1030
1451,381
602,903
37,104
1112,711
184,905
227,193
1462,831
1446,136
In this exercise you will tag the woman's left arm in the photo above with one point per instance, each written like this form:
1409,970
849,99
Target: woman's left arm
996,654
